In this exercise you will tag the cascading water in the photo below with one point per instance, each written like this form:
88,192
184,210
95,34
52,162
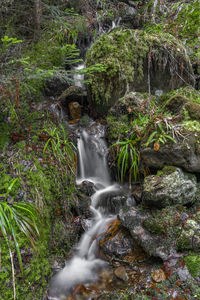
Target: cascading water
83,266
78,78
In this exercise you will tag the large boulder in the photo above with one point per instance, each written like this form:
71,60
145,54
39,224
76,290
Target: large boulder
170,187
133,60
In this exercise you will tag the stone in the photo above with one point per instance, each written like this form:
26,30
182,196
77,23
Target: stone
172,186
133,220
185,153
161,232
178,104
120,245
75,110
120,273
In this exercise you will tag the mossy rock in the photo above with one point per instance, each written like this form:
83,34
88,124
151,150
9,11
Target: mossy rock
173,187
130,58
185,103
189,238
193,264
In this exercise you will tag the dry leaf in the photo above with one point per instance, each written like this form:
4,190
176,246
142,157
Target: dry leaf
156,146
158,275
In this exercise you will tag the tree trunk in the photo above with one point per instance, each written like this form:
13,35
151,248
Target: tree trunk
37,15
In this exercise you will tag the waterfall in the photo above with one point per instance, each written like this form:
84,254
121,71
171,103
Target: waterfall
84,265
78,78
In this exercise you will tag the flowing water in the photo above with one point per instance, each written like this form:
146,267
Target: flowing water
78,78
85,264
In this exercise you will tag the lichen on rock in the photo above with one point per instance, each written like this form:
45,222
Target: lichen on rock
173,187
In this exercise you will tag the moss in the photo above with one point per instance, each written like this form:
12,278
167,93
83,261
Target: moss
186,92
178,18
123,53
117,127
193,264
155,226
5,130
193,110
192,125
37,270
169,169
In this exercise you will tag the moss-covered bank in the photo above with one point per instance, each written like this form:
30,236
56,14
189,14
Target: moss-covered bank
135,60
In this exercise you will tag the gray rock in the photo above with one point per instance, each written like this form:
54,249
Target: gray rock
153,244
119,245
171,187
162,232
184,154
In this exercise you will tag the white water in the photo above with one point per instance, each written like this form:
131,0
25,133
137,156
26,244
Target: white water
85,264
78,78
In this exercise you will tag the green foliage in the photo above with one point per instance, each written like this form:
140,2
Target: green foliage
17,216
181,20
37,270
123,54
159,135
128,158
62,148
193,264
8,42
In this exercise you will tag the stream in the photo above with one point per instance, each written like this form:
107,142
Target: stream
83,267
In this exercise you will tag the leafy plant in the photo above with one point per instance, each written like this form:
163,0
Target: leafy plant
128,158
159,135
17,217
7,42
62,148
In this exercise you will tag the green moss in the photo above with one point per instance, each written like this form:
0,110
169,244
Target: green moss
179,18
117,127
37,270
185,92
5,129
123,53
192,125
155,226
193,264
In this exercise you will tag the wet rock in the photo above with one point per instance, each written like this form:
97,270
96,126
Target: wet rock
112,202
170,187
75,110
86,187
119,245
184,154
121,273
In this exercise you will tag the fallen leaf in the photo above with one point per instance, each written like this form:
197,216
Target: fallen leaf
158,275
156,146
